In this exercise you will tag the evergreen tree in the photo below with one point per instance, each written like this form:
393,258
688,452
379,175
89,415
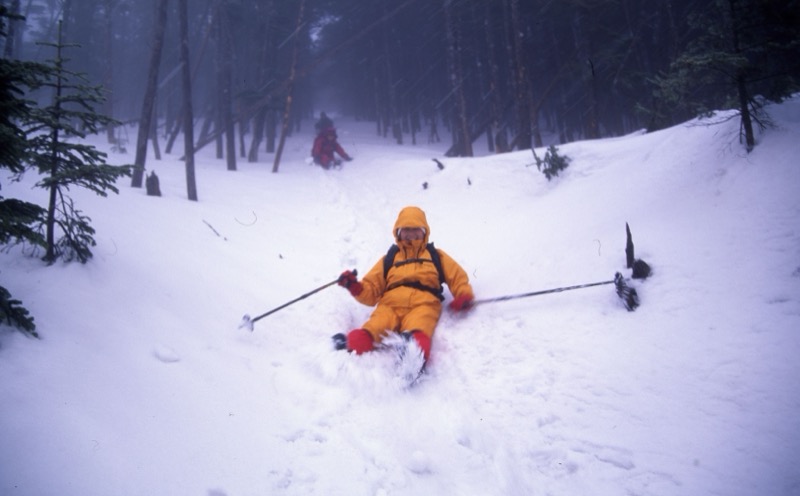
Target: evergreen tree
745,51
63,163
17,218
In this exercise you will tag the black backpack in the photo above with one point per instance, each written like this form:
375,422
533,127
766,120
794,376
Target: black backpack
388,263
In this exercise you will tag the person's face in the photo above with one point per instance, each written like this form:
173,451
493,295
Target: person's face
411,233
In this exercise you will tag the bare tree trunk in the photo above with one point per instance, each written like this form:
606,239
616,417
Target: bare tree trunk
391,87
378,105
178,125
265,73
170,117
108,76
496,134
741,85
584,54
292,75
50,253
414,126
243,128
149,95
154,136
744,108
225,49
510,121
433,134
593,131
175,130
11,39
461,130
271,130
258,133
522,81
205,131
188,118
219,129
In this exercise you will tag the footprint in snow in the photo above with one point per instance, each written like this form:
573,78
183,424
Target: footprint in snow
166,354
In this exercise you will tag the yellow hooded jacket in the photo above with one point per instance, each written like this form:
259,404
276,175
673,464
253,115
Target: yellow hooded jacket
389,291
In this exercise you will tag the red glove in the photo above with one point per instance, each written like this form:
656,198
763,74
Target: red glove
461,303
349,280
360,341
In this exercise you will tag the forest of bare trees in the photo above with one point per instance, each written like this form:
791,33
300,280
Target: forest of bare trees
505,71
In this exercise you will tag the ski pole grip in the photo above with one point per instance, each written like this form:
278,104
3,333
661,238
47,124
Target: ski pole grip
345,281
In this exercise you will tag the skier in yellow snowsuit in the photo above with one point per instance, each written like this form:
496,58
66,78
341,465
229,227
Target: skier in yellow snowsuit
409,295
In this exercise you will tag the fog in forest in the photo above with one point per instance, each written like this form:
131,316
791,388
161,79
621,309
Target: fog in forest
515,73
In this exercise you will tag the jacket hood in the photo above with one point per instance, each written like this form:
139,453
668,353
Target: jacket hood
411,217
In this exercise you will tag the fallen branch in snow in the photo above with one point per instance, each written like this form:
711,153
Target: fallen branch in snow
215,231
255,219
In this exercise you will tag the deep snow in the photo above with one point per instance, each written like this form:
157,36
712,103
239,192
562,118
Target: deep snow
143,383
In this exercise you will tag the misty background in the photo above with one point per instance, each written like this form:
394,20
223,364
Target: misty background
515,73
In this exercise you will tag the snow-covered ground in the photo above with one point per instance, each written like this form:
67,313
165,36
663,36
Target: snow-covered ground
144,384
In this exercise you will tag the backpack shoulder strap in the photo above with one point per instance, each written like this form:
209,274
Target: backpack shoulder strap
437,262
388,260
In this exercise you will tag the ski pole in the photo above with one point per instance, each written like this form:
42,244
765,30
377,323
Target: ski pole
628,295
248,322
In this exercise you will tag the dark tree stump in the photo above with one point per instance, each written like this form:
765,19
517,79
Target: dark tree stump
641,270
151,185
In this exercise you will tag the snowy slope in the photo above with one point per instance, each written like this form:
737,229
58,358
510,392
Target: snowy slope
143,383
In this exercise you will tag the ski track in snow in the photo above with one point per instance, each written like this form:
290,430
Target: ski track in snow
357,384
526,404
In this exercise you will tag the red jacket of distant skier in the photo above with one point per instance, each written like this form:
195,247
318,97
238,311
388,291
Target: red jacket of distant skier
325,145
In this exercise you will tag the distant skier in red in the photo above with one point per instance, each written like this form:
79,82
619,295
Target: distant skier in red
325,145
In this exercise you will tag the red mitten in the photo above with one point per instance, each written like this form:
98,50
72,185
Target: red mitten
461,303
424,343
349,280
360,341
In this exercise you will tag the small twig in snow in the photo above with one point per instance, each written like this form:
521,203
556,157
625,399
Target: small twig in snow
255,219
215,231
